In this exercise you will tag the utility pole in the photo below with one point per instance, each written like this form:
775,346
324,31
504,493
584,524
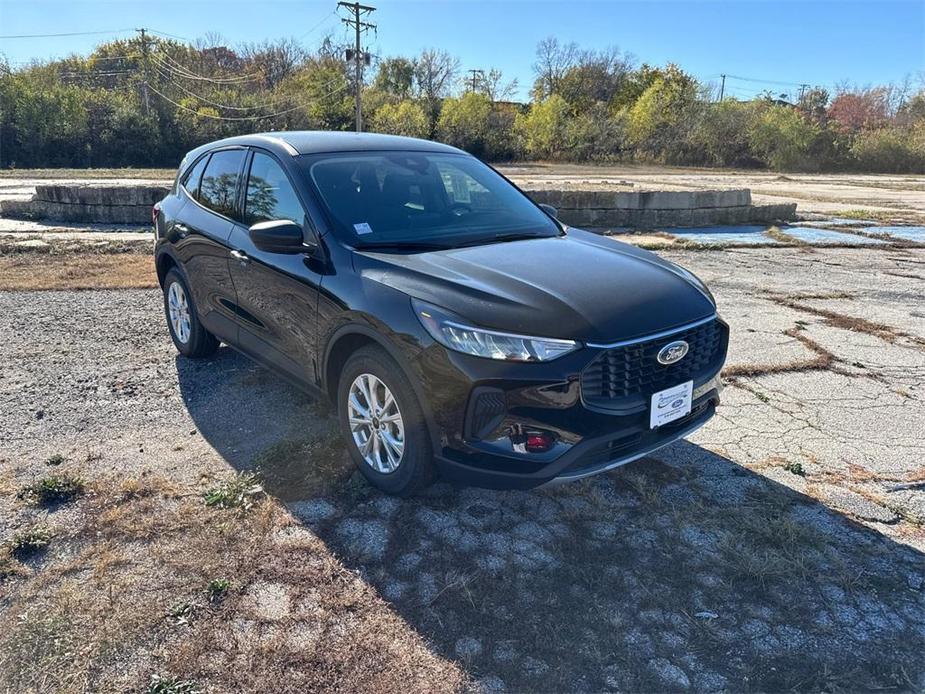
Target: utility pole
144,63
722,87
358,10
476,74
802,90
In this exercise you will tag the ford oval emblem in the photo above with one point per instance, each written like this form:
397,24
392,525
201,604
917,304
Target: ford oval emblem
672,352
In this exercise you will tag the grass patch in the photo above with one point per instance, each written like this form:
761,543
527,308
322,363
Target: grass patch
795,468
55,460
217,589
303,468
30,541
172,685
165,175
43,271
781,236
55,489
240,492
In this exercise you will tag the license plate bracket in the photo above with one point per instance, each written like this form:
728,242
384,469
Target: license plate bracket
670,404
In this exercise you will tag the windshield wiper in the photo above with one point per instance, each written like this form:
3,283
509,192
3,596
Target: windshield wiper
502,238
402,246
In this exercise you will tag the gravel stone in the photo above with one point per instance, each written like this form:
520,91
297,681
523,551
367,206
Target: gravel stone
670,675
364,539
468,647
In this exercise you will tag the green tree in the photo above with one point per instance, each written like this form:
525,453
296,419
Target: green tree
660,120
464,122
405,118
782,137
544,128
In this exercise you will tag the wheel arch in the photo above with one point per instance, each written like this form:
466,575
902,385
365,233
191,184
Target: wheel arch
163,264
348,339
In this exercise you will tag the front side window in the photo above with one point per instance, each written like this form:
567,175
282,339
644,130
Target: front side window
407,198
220,181
270,195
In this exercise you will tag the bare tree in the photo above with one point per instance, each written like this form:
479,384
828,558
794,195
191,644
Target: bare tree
275,61
553,60
492,84
434,74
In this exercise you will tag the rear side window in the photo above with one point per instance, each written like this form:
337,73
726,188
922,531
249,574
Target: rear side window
220,181
192,178
270,195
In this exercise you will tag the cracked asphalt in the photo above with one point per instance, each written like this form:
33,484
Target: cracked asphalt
781,547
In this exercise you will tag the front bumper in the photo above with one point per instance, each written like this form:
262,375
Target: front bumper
483,410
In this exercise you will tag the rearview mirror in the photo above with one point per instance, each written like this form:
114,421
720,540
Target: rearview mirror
550,210
278,236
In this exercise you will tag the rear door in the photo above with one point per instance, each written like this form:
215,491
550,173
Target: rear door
277,292
203,238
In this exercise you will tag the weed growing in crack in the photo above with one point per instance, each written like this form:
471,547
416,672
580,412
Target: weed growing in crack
55,460
217,589
56,489
240,492
182,613
795,468
29,541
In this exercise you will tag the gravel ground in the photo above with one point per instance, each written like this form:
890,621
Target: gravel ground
780,548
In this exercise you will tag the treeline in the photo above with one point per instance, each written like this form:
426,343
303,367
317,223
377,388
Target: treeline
139,104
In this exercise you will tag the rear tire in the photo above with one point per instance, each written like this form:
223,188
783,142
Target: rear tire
372,383
188,334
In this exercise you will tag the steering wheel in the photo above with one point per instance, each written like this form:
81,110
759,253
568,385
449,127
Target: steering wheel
460,208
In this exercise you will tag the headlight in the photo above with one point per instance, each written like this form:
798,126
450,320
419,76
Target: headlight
453,333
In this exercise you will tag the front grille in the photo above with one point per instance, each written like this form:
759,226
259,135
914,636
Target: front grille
621,375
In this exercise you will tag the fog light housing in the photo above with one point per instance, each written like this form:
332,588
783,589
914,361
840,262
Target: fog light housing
539,441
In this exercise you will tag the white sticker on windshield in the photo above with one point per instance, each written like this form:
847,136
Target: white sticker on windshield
363,228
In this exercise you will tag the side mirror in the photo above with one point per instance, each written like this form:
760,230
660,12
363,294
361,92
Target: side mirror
550,210
279,236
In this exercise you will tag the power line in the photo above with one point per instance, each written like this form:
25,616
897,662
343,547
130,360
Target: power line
242,118
171,36
181,70
70,33
326,18
218,104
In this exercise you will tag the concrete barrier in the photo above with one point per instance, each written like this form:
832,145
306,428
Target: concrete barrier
660,208
94,204
131,204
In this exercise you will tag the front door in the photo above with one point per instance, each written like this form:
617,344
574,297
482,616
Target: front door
277,292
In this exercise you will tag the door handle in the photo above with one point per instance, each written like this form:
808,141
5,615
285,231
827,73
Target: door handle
241,257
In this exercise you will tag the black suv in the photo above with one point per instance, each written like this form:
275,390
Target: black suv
457,326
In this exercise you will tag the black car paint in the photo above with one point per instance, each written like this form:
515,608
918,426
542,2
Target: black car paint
296,312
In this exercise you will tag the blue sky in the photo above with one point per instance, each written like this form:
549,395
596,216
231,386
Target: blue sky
784,41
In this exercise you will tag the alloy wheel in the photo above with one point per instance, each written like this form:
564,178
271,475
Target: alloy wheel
376,423
178,308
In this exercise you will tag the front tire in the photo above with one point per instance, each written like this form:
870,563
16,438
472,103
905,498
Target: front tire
187,332
383,423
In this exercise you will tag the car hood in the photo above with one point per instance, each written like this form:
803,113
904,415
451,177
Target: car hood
578,286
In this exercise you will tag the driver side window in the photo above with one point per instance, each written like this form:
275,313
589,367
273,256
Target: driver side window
270,195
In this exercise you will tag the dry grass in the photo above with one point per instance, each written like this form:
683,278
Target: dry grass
163,174
99,611
38,272
887,333
823,360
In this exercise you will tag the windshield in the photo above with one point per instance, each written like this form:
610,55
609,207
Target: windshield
422,199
